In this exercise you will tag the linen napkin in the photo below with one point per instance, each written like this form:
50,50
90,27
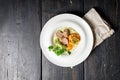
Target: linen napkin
101,29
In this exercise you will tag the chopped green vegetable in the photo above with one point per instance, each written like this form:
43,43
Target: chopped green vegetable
60,51
50,47
69,52
57,48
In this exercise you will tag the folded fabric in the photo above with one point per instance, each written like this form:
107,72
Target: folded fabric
101,29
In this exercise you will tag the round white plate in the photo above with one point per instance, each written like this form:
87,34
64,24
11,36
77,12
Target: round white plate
80,53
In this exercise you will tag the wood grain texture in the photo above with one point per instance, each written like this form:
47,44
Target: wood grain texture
50,9
19,40
103,63
20,56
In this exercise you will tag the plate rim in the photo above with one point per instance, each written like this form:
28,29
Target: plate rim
68,14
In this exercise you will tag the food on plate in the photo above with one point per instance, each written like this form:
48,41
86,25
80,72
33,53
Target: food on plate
64,41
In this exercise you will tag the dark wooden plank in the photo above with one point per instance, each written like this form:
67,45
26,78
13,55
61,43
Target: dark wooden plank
103,63
19,40
118,13
51,8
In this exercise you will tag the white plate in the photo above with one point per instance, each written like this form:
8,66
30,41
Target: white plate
84,47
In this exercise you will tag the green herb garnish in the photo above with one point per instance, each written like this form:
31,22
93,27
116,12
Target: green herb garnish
69,52
58,50
50,47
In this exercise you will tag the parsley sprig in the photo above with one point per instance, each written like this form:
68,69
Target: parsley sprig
58,50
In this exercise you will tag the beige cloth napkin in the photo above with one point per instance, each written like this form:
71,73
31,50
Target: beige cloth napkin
101,29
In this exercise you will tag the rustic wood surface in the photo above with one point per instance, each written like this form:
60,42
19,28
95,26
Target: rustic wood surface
21,58
104,61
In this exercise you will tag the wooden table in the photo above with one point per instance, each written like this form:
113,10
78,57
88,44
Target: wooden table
21,58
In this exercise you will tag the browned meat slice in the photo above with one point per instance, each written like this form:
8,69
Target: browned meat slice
66,32
64,41
59,34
